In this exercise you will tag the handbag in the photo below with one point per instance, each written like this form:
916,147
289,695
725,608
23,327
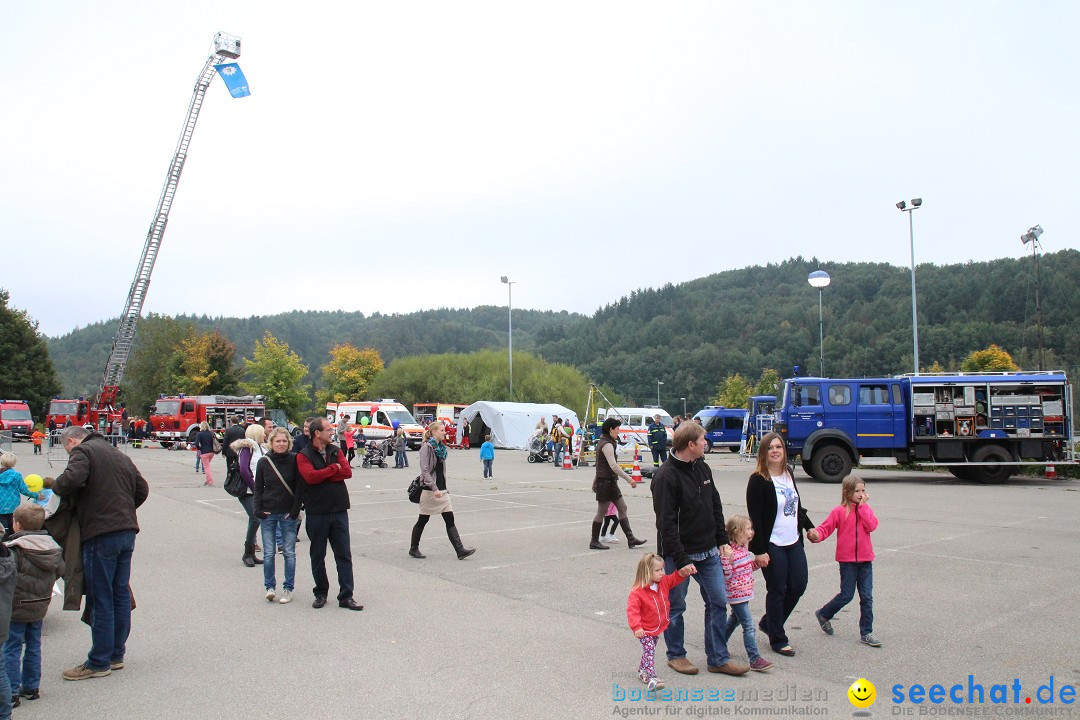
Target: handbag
415,488
217,446
234,483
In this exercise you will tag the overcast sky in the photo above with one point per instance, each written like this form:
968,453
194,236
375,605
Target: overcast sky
400,156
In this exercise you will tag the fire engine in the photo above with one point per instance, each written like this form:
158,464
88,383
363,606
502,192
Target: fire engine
981,426
100,412
15,418
177,419
381,416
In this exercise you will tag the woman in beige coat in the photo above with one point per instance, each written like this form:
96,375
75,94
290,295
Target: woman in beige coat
435,500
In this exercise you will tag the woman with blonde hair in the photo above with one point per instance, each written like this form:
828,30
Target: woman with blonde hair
435,500
250,450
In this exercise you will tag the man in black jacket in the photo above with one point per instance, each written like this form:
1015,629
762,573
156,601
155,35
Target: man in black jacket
690,529
324,470
107,488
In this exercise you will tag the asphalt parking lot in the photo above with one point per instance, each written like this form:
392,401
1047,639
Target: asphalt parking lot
970,580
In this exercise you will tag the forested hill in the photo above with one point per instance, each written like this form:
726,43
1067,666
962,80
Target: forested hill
80,356
692,335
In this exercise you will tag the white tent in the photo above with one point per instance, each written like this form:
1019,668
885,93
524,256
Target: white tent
511,424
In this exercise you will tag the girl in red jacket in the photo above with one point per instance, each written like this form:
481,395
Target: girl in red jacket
647,610
853,521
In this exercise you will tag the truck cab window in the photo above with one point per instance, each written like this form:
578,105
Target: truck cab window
808,395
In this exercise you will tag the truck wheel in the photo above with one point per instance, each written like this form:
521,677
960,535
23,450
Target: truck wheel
191,435
830,463
165,444
992,474
733,449
963,472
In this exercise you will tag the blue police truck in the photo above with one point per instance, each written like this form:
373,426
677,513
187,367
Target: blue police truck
723,426
981,426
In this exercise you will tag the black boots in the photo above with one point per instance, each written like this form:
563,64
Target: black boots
455,540
631,541
596,544
414,547
249,555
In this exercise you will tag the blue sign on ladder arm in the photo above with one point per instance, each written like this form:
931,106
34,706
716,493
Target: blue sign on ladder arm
234,79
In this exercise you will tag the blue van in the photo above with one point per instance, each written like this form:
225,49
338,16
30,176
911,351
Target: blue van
723,426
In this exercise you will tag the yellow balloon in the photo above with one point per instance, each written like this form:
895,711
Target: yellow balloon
34,483
862,693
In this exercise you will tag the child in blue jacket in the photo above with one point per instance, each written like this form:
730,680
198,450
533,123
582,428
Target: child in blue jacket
487,454
12,486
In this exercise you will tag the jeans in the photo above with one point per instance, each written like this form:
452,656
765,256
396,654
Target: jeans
198,461
785,582
487,469
558,450
23,670
400,460
5,697
106,573
248,501
710,580
279,525
332,528
852,575
741,615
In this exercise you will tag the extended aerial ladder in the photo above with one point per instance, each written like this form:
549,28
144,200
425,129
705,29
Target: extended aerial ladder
225,47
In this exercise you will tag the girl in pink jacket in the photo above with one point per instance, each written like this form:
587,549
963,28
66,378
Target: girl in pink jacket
853,521
648,608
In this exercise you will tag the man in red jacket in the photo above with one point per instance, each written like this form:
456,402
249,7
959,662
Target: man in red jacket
324,469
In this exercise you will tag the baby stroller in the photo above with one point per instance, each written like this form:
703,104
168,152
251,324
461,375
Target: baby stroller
538,451
375,454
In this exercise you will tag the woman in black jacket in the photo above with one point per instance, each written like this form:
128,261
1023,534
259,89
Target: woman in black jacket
277,505
777,543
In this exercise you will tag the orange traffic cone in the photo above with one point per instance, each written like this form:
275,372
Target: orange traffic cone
1051,472
566,463
635,474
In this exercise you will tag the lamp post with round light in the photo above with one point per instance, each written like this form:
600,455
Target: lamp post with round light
820,280
510,327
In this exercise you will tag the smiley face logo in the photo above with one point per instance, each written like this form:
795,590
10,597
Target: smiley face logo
862,693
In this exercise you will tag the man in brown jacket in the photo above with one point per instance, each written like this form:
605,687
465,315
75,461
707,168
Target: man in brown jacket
107,488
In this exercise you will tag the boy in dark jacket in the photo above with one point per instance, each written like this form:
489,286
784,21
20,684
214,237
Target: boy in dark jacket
39,562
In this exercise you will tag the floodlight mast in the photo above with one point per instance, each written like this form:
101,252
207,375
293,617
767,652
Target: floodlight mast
226,47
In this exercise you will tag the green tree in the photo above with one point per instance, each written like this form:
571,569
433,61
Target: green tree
768,383
733,392
27,372
349,373
276,373
154,363
992,359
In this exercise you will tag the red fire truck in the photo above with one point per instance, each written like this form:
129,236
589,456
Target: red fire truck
177,419
15,418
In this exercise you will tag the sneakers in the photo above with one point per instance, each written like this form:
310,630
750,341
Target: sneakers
870,640
654,683
81,672
760,664
270,594
286,597
15,702
682,665
609,538
113,665
730,668
826,626
30,693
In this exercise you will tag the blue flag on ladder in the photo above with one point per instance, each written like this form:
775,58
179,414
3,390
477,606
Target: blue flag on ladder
234,79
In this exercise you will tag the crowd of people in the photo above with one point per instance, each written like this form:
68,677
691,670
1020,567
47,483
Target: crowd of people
287,482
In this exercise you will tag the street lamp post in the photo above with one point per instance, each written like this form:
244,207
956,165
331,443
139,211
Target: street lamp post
1032,236
510,328
916,203
683,406
820,280
658,384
